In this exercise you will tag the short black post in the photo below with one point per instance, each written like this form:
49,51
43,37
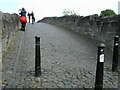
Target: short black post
100,68
37,57
115,54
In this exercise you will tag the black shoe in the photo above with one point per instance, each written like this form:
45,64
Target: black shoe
21,29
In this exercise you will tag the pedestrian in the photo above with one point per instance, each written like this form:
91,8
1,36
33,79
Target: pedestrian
29,15
23,19
33,18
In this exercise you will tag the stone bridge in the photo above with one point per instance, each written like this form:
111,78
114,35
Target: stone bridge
101,29
68,59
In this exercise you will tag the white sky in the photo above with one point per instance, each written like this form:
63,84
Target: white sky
46,8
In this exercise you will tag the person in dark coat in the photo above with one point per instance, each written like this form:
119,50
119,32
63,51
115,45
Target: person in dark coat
23,19
33,18
29,15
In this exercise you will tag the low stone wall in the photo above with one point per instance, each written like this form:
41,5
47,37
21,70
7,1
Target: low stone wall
102,29
9,24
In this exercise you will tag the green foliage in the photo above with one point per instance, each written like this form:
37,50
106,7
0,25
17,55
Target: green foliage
107,12
69,12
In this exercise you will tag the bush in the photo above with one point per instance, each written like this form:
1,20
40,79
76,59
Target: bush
107,12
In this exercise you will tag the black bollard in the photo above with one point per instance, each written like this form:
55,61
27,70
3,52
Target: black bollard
37,57
100,67
115,54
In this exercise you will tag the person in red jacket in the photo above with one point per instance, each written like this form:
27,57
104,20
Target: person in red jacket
23,19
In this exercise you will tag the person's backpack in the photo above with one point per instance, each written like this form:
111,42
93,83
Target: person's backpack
23,19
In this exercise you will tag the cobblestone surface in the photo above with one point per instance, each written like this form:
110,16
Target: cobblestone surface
68,60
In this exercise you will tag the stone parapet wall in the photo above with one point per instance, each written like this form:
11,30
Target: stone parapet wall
9,24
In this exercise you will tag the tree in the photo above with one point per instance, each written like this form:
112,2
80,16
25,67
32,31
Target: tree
107,12
69,12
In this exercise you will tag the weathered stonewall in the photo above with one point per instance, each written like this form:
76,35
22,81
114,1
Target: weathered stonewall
9,24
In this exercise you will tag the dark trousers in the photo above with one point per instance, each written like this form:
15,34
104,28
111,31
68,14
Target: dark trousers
29,19
33,20
23,24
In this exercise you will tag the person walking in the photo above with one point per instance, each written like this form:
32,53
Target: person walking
33,18
23,19
29,15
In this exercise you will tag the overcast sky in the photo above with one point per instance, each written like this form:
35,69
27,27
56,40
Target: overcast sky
46,8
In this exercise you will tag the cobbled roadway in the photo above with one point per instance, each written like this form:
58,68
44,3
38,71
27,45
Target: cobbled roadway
68,60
